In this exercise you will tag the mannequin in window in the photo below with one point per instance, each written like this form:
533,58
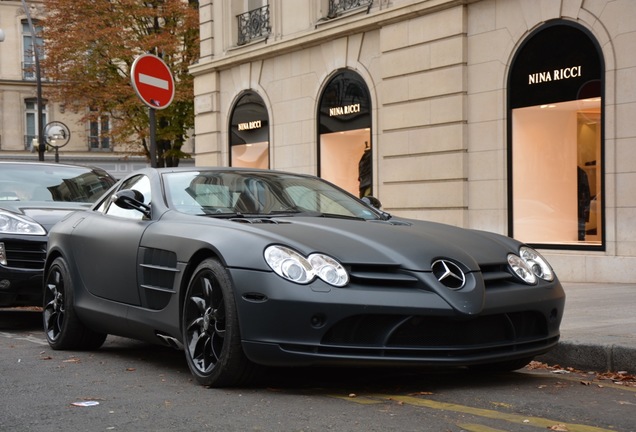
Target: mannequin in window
583,201
365,175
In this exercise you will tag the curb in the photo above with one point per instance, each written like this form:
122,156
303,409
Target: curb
602,358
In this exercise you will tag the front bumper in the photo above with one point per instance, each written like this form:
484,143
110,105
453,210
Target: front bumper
21,278
285,324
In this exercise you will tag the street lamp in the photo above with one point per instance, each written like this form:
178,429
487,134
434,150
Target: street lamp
38,83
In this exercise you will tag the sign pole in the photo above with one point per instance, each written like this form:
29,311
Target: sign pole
153,137
154,84
38,83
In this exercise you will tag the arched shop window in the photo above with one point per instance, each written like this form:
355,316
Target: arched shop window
344,128
249,132
555,139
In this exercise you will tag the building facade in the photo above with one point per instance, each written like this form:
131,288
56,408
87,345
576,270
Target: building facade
512,116
88,144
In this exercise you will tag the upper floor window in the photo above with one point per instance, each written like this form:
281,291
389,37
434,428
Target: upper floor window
254,23
99,132
29,44
31,123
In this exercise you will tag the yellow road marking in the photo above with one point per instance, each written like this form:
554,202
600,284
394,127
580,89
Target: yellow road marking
478,428
479,412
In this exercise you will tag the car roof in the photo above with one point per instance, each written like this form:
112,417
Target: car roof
225,169
46,164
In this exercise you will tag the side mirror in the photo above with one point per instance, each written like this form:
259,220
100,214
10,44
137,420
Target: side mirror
376,204
372,201
131,199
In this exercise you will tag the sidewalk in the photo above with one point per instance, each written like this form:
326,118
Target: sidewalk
598,331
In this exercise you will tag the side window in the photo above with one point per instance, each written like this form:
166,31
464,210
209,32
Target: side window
140,183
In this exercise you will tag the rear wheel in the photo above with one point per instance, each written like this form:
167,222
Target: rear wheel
211,330
62,327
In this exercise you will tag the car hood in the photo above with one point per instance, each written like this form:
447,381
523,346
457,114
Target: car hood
46,213
411,244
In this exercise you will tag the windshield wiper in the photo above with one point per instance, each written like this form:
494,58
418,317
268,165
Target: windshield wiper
229,215
330,215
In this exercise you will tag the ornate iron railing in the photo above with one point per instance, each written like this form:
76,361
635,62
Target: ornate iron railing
253,24
338,7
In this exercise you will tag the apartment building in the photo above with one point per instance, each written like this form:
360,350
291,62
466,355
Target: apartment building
513,116
21,117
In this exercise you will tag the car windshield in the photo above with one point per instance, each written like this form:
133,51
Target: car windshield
240,193
35,182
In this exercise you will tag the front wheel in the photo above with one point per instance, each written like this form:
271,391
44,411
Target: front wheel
210,328
62,326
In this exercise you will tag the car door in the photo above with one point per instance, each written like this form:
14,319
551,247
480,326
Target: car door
106,243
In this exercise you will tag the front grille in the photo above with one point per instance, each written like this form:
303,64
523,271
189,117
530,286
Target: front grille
435,333
496,275
493,276
25,254
384,275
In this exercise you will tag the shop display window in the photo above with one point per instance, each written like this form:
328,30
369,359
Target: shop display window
249,132
555,147
557,177
344,149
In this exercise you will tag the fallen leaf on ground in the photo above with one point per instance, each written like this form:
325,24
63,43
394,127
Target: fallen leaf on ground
559,427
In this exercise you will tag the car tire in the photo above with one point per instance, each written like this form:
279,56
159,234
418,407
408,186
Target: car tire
210,326
62,326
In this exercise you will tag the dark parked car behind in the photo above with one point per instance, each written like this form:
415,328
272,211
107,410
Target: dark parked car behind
33,197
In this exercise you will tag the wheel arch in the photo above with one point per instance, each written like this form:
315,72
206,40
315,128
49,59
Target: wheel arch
50,257
197,258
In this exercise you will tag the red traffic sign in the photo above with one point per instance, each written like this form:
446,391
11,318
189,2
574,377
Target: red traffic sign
152,80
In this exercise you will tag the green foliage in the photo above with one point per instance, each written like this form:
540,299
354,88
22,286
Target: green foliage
90,48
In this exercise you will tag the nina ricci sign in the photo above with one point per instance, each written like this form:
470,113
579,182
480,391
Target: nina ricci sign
554,75
342,110
256,124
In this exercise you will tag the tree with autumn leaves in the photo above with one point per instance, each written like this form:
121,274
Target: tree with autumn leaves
90,48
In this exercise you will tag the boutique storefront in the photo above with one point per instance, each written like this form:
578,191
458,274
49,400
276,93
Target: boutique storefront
555,137
485,114
344,134
249,132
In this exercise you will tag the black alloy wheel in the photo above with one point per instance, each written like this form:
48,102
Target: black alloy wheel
54,311
62,327
210,329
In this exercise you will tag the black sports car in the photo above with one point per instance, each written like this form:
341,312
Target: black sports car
33,197
245,267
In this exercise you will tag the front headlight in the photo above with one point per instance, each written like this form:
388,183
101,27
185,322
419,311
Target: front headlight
11,223
537,263
530,265
293,266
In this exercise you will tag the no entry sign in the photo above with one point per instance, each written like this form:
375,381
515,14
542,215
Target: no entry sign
152,80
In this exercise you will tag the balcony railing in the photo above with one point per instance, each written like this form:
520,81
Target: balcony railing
338,7
253,25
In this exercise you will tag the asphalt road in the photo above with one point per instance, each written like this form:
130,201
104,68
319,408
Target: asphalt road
133,386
